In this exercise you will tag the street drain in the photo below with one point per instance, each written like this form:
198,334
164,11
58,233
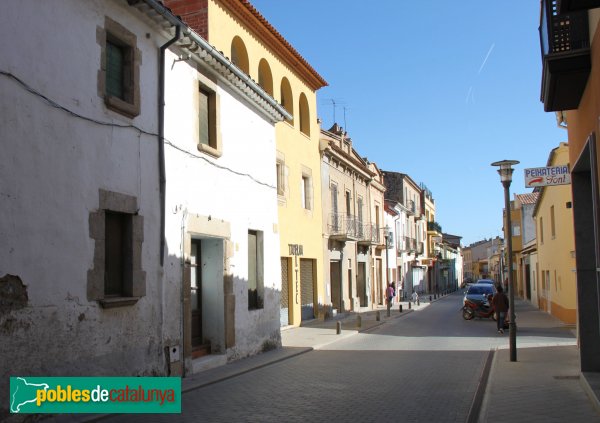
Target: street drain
566,377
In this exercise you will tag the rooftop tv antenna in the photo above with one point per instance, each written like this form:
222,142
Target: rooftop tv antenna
334,103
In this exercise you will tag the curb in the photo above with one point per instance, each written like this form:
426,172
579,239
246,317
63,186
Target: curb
479,405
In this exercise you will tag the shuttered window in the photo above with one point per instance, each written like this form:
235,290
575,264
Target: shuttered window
280,167
115,63
305,188
204,112
118,79
209,137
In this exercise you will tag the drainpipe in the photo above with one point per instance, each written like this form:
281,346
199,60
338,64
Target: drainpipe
161,139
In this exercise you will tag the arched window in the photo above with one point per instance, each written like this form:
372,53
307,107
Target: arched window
304,115
239,54
265,78
287,101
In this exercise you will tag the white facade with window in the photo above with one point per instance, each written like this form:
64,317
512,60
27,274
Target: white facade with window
81,282
75,163
223,266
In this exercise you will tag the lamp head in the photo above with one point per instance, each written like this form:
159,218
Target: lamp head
505,169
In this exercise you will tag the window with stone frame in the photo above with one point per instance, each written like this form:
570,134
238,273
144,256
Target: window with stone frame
117,255
209,136
117,278
118,77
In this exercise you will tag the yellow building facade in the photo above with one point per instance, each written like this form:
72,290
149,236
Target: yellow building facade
556,279
238,30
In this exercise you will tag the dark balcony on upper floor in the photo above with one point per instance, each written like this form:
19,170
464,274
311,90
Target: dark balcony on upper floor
565,6
434,227
566,63
343,227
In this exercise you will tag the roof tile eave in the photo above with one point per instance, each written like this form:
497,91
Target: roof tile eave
282,40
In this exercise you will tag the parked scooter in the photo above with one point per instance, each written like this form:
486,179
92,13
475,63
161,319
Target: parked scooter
479,309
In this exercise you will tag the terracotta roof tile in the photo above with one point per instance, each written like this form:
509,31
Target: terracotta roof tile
529,198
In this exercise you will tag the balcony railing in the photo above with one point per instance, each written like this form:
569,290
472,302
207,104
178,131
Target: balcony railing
566,62
408,244
343,227
370,234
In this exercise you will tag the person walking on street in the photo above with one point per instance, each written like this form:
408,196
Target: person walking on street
415,297
389,293
500,303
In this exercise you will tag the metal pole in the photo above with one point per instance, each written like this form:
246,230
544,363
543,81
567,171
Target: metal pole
387,271
511,282
387,265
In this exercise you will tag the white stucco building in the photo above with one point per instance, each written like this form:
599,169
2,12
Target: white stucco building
403,197
80,281
222,217
106,230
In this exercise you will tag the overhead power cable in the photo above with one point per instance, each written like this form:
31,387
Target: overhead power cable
56,105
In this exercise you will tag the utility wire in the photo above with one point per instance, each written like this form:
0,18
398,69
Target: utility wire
54,104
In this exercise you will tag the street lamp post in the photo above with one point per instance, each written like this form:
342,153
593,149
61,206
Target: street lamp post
505,170
387,264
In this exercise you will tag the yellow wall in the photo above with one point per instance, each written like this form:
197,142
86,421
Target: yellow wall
555,253
300,152
584,120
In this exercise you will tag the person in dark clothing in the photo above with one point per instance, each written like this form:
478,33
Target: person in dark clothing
500,303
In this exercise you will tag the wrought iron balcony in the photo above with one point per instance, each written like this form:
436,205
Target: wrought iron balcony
565,6
410,245
370,234
566,62
343,227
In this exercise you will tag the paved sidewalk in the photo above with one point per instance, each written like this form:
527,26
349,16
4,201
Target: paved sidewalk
544,384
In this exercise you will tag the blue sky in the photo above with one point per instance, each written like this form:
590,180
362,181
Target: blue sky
431,88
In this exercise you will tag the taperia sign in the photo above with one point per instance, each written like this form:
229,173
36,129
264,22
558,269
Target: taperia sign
547,176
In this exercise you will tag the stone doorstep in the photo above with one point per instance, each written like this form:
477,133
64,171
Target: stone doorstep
208,362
